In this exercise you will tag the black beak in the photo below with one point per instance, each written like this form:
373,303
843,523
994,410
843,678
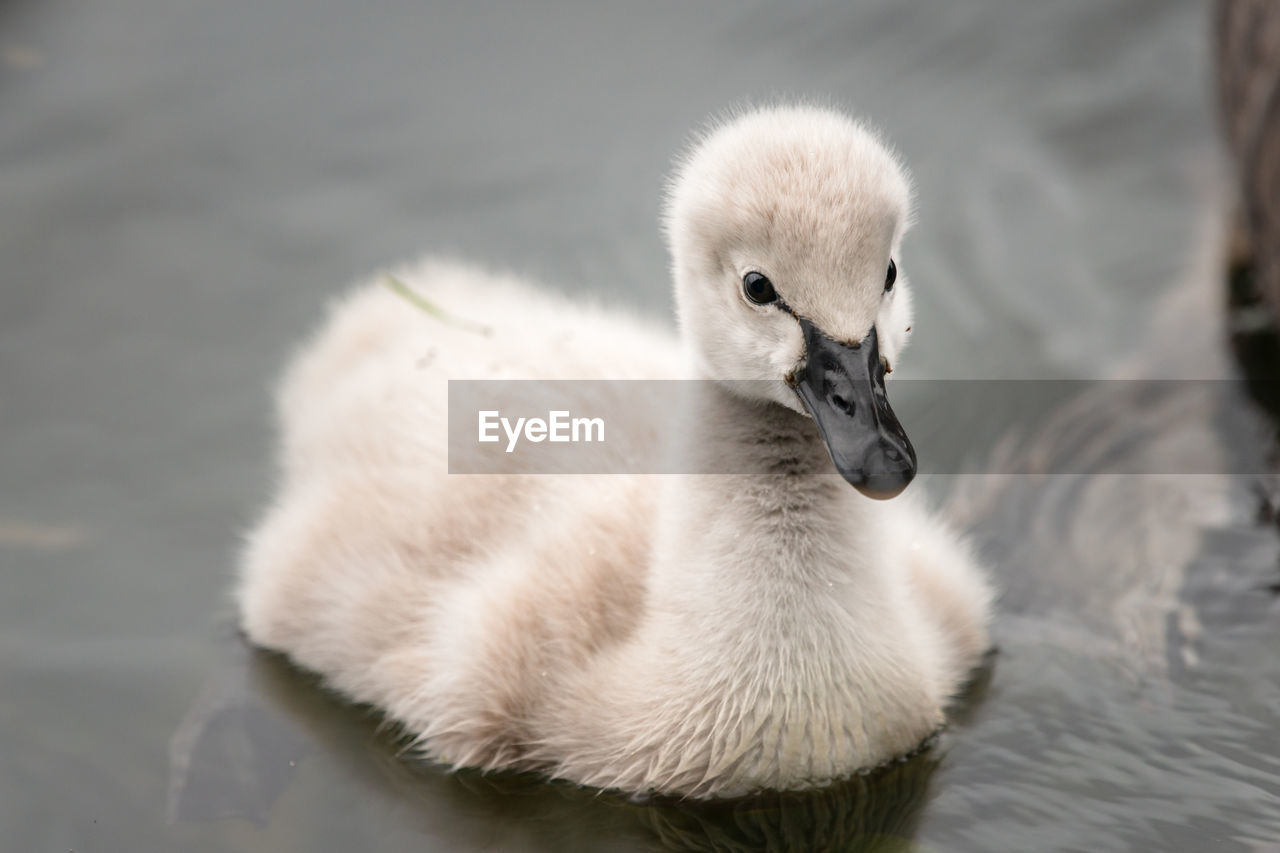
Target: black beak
843,388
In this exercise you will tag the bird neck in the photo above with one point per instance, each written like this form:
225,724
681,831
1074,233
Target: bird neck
772,519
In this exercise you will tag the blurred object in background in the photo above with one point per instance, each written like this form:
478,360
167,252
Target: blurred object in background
1248,63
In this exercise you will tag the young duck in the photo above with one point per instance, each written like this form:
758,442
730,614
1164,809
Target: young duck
701,635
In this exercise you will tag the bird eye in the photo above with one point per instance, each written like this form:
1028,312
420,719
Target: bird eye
891,276
758,288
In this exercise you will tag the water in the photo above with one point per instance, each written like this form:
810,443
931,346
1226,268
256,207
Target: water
184,185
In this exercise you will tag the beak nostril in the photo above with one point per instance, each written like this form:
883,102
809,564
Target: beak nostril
842,404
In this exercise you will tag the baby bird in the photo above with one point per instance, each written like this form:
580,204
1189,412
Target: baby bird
698,635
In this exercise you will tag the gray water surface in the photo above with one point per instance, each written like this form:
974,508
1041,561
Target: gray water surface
182,186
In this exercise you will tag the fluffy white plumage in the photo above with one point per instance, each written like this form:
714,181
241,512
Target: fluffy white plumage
698,635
